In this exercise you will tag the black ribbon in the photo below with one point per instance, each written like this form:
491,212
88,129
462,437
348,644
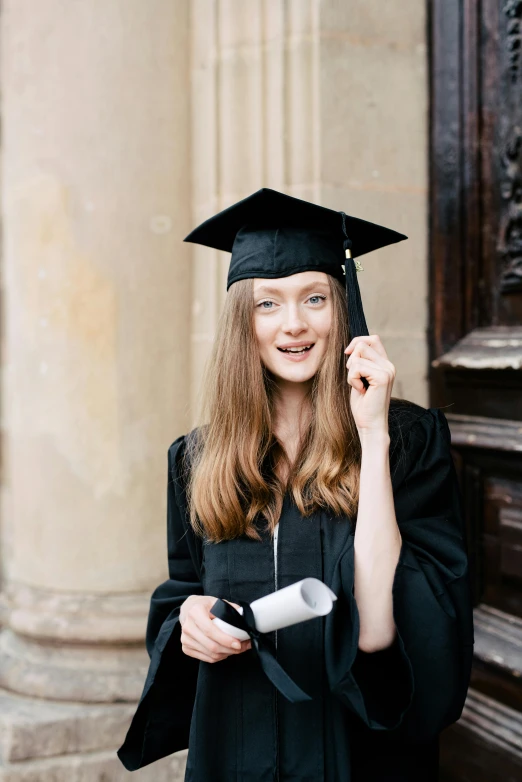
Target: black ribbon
263,647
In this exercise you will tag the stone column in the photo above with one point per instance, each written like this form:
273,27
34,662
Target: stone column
255,124
95,203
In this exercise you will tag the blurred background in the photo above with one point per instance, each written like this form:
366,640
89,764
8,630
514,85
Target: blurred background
124,123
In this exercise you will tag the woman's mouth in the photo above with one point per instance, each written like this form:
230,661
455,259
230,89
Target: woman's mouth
296,354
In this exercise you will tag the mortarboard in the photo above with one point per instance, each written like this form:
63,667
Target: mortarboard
271,234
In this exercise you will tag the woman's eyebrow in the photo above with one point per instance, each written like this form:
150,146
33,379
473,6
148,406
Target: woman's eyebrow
310,286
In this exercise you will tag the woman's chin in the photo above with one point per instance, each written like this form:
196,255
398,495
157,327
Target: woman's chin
294,374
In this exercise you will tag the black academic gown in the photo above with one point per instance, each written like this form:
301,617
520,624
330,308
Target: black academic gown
373,717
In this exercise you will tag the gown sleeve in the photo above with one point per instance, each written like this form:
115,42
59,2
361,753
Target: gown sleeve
161,723
418,685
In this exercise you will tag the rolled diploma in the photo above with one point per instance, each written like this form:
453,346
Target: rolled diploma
295,603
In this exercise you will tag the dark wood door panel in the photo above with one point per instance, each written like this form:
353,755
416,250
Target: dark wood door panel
475,167
475,342
502,544
491,483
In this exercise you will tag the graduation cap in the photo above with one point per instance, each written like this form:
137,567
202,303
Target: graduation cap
271,234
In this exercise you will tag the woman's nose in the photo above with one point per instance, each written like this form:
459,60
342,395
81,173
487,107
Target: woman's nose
294,320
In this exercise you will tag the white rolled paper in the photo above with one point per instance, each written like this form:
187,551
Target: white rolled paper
296,603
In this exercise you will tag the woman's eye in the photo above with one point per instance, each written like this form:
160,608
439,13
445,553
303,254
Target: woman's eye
321,298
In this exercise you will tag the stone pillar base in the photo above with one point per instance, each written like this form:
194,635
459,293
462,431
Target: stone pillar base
73,646
45,741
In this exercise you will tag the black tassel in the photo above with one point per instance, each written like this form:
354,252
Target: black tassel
356,319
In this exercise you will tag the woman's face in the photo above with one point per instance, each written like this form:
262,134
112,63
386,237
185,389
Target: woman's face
288,311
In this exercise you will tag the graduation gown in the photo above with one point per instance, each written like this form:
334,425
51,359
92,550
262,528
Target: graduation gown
373,717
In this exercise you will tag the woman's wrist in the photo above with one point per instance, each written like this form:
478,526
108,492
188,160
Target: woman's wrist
378,439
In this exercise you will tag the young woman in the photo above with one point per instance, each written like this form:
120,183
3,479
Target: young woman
307,467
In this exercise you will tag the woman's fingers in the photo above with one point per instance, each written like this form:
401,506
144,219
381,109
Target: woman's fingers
205,623
214,641
191,651
200,636
378,373
362,350
368,368
194,639
201,615
200,633
368,359
375,366
366,351
373,340
204,642
195,649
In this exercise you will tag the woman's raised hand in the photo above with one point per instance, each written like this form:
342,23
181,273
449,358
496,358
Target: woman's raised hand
200,637
370,406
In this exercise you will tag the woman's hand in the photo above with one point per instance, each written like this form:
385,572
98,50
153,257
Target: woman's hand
200,637
370,405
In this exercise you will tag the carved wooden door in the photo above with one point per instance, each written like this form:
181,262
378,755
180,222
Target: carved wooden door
476,350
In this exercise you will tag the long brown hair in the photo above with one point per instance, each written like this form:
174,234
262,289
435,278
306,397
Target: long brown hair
232,483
